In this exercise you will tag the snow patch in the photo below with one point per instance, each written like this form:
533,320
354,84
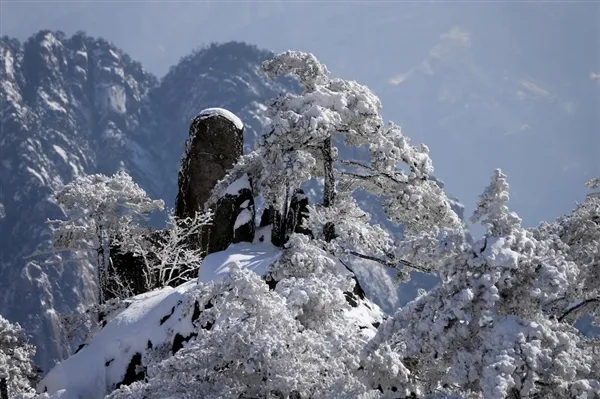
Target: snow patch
9,65
75,169
61,152
113,54
116,99
238,185
36,174
243,218
256,257
208,112
52,104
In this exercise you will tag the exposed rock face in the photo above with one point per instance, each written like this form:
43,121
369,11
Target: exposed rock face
282,228
234,216
215,144
125,267
272,217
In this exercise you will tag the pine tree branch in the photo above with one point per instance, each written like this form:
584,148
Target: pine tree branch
394,177
390,263
578,307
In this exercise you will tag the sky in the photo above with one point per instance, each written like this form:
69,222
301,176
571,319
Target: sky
485,84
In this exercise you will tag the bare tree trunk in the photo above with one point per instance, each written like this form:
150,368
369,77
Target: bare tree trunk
3,388
329,187
101,265
282,219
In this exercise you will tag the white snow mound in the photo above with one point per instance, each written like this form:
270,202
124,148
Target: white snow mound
94,371
256,257
238,185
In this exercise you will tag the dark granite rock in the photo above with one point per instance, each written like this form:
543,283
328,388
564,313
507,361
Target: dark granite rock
125,268
214,145
282,228
297,214
234,216
135,371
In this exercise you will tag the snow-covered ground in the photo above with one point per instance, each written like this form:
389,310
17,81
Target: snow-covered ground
149,322
256,257
149,326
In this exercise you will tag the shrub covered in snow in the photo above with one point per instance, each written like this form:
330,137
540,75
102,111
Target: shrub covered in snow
17,372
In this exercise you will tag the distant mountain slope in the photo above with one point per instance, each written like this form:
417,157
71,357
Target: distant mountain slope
73,105
70,106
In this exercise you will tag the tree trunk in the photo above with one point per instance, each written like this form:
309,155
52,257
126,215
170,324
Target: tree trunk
101,265
3,388
282,220
329,187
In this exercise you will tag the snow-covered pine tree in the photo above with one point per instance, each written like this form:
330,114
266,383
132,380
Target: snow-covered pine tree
299,146
101,209
577,235
483,331
17,371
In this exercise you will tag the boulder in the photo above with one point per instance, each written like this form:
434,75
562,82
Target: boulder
214,145
234,217
282,228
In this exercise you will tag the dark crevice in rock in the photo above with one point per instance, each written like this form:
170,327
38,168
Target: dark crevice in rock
135,371
271,283
196,312
180,340
166,317
350,299
297,215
